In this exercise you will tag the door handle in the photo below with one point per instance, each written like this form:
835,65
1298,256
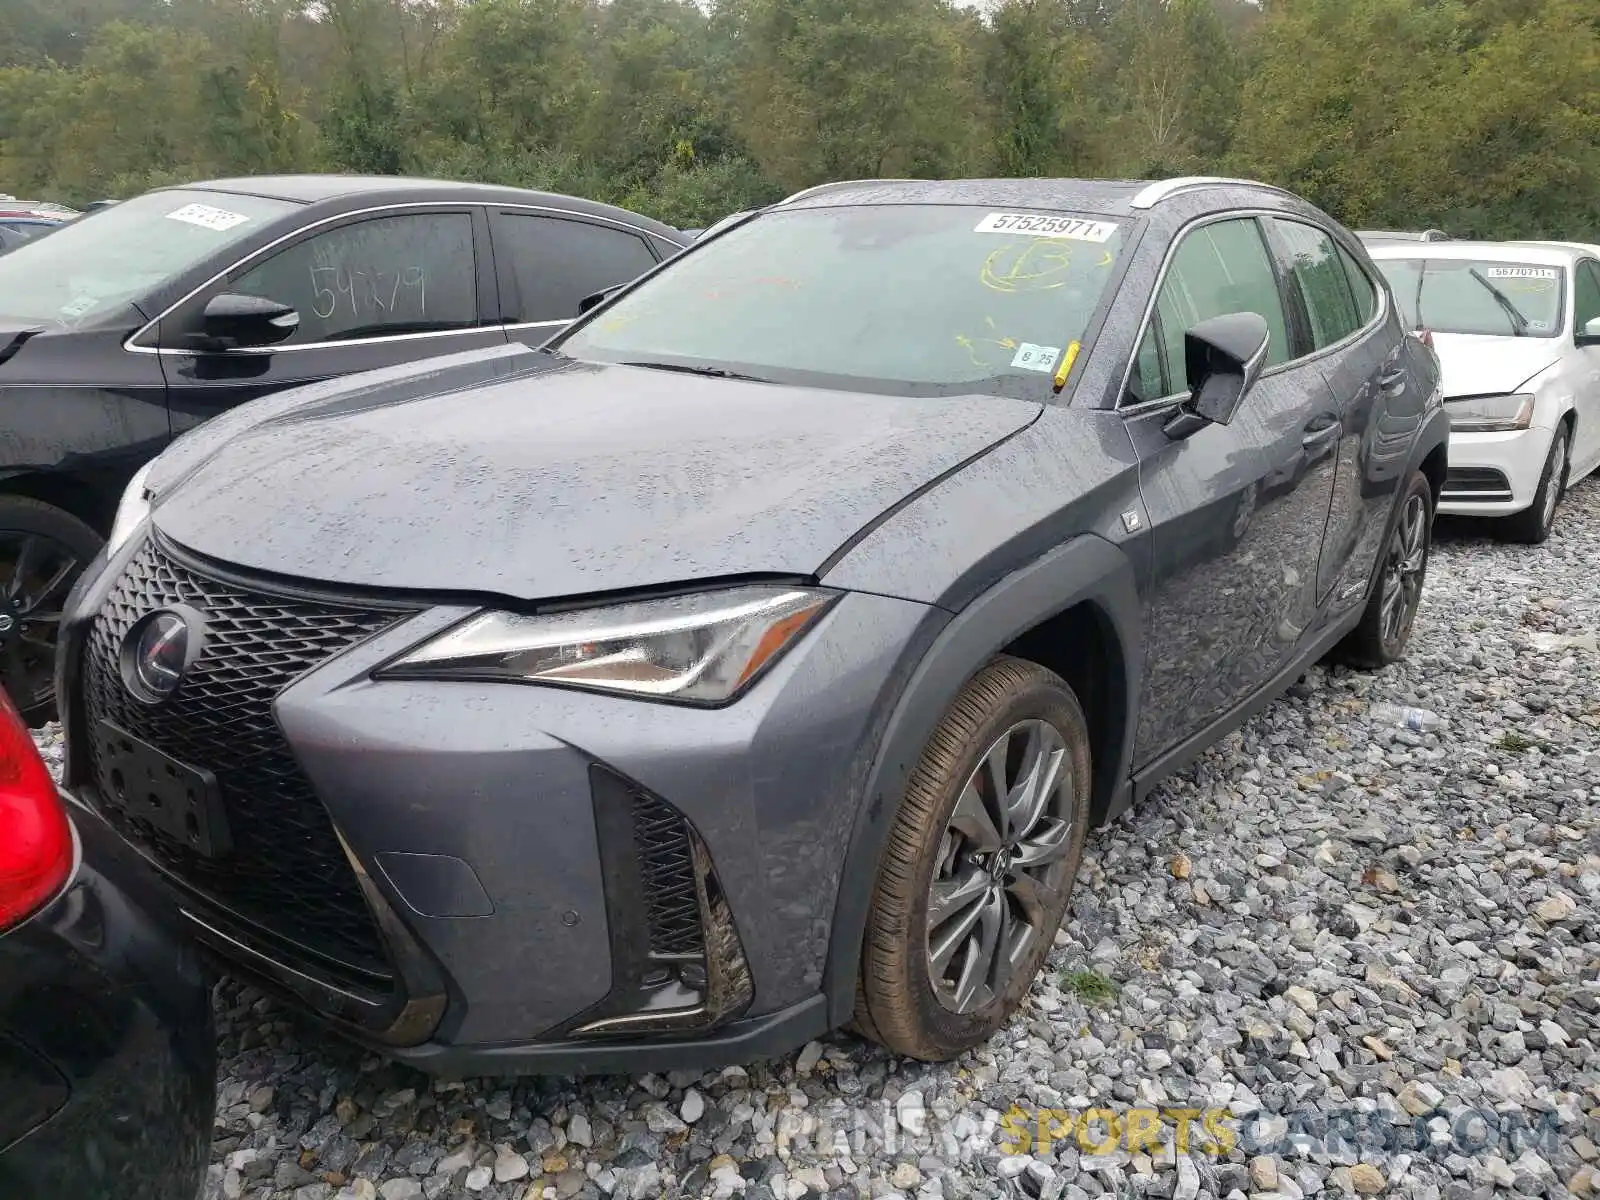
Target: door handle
1392,378
1321,431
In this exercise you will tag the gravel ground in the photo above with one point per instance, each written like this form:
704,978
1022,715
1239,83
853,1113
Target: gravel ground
1370,957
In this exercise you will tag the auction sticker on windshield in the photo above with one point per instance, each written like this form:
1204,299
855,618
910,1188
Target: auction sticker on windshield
203,215
1523,273
1073,228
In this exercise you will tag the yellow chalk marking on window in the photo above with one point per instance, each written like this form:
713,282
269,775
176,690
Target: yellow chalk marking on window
1065,369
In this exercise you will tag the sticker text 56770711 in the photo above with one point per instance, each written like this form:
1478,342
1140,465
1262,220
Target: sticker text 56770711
1036,225
1523,273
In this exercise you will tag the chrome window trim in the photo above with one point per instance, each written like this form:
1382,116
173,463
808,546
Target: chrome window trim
1380,314
135,345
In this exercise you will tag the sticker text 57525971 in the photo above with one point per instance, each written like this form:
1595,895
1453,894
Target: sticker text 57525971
1036,225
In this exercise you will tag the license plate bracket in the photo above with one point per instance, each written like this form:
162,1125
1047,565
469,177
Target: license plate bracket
150,785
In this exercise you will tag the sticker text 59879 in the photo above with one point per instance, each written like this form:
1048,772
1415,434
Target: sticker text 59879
1034,225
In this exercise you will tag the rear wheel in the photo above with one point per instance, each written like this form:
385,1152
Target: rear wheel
1385,626
43,550
980,865
1533,524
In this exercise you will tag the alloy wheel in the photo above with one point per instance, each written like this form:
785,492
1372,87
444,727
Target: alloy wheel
1404,566
37,572
1001,865
1558,473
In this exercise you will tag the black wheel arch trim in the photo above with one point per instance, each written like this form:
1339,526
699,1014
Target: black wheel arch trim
1087,569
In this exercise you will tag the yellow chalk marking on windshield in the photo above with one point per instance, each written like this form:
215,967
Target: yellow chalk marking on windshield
1065,369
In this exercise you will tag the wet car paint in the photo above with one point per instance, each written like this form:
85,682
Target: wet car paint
1228,583
107,1047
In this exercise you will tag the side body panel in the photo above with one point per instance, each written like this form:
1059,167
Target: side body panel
78,404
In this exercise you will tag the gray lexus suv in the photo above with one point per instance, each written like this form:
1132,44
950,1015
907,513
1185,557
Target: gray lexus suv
754,657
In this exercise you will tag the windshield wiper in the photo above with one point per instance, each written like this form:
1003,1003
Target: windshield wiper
1519,323
712,372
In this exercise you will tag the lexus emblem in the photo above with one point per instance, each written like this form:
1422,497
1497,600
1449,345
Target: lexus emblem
159,650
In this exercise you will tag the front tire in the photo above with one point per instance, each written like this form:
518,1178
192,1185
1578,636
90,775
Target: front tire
980,865
1385,628
1532,525
43,550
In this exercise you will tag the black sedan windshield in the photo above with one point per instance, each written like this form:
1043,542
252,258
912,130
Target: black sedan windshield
900,298
99,264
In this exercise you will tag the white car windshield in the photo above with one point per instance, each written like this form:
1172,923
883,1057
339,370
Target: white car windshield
99,264
1462,295
905,298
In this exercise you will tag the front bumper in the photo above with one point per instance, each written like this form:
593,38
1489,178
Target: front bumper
508,841
1494,474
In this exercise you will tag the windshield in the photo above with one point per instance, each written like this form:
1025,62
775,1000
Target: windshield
1462,295
92,267
912,299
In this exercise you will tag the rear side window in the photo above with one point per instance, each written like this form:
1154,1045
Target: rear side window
1219,268
1313,261
557,262
1586,294
385,276
1361,287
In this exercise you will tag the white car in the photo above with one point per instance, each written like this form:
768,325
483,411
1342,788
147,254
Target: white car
1516,326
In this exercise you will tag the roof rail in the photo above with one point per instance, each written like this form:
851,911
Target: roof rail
837,183
1153,194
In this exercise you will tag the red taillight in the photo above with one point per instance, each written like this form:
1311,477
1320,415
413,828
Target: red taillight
35,839
1424,336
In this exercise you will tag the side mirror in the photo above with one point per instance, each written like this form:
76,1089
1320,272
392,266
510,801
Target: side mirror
1223,357
1589,335
233,321
595,299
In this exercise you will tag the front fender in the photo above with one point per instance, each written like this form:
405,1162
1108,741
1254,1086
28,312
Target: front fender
1086,570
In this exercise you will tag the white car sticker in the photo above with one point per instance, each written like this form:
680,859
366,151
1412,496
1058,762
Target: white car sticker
77,307
1034,225
1035,358
203,215
1523,273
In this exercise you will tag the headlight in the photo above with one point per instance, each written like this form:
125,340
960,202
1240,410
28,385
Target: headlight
703,648
1490,414
133,509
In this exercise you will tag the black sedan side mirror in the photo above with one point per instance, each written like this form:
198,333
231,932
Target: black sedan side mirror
1223,357
594,299
233,321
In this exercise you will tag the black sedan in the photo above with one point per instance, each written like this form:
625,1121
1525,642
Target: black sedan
107,1052
118,333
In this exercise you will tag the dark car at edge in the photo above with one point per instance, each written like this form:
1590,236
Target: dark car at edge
107,1051
129,325
754,658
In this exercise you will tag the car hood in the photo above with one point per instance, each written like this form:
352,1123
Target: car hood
1479,365
532,477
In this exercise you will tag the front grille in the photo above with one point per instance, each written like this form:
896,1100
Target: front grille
1476,483
667,865
286,872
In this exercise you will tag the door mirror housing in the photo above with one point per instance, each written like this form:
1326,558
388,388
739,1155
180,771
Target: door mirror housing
1223,358
1589,334
232,322
595,299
